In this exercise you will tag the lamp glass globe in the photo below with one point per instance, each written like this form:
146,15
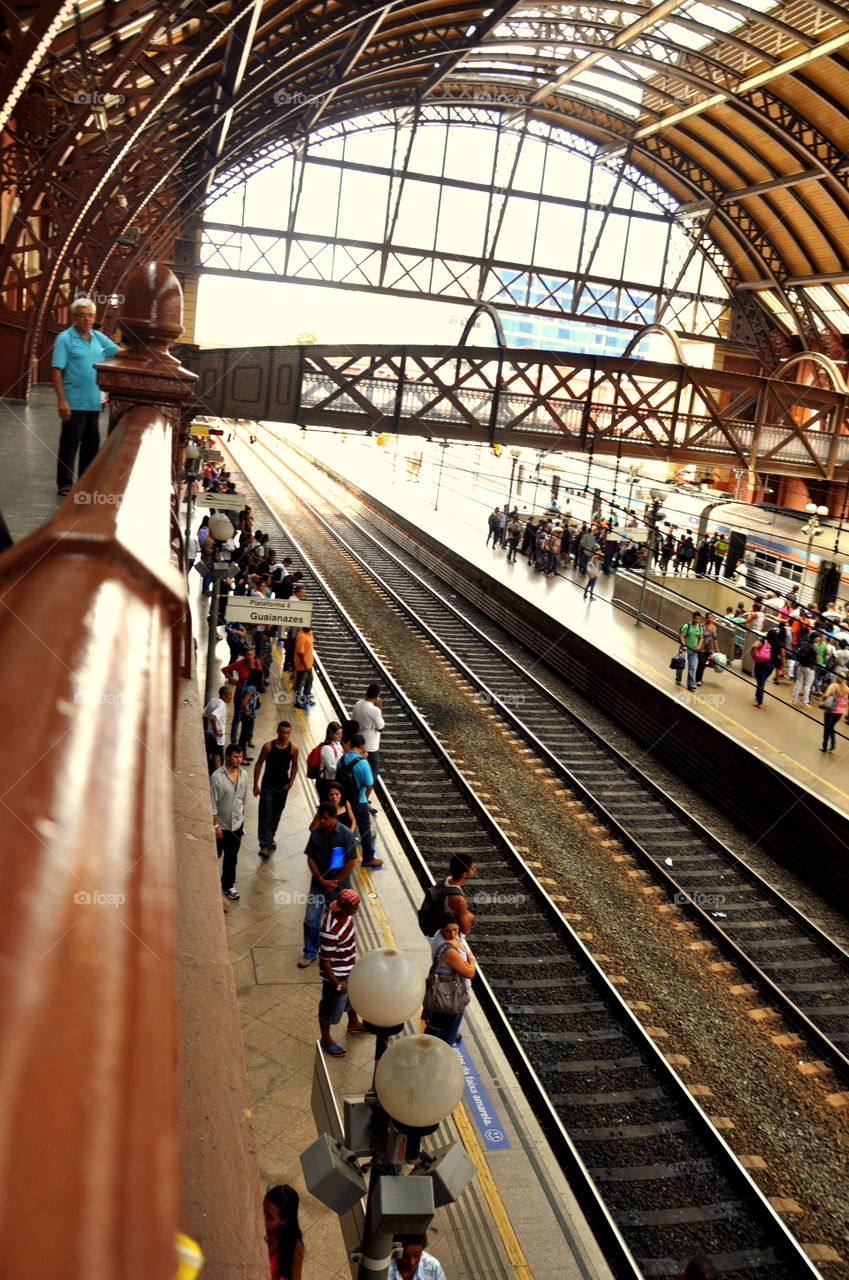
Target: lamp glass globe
220,527
822,511
192,451
386,987
810,507
419,1081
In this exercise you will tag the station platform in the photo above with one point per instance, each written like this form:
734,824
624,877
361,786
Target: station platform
785,736
29,438
519,1217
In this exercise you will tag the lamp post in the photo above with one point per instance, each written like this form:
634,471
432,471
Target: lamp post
633,476
190,474
515,455
418,1080
443,444
813,529
220,529
653,517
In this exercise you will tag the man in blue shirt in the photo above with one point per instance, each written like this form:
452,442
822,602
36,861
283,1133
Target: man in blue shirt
355,767
75,353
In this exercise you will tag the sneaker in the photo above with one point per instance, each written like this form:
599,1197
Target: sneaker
372,809
306,961
264,851
232,894
373,865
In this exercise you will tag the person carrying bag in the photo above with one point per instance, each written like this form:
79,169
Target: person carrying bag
447,984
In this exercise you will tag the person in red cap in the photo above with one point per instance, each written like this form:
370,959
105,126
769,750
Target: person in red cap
336,958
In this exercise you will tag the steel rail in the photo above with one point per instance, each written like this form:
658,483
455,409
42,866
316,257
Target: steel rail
687,898
764,1244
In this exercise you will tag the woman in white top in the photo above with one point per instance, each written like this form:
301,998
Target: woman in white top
454,952
331,754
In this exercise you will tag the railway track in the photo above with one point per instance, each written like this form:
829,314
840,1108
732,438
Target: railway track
659,1182
796,966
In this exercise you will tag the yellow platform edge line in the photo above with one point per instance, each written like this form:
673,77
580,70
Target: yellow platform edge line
465,1128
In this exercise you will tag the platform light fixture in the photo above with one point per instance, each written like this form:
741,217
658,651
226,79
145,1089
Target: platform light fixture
417,1082
811,530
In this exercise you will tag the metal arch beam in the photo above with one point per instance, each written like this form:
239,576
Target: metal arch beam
748,84
346,62
497,13
229,81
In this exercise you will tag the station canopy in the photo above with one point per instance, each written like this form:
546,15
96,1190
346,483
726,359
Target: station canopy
739,111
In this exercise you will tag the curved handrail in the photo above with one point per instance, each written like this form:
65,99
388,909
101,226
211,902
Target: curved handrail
90,606
815,357
657,328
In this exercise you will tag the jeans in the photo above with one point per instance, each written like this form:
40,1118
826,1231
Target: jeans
272,802
228,851
363,816
589,589
701,664
237,711
692,665
247,733
303,684
802,687
512,544
762,674
81,431
493,533
829,724
316,901
447,1032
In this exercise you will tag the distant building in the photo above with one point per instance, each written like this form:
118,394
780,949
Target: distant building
553,334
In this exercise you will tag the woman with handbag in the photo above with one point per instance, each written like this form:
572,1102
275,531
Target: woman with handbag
833,706
763,659
447,985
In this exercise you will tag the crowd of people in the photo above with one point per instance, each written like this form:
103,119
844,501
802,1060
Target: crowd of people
785,642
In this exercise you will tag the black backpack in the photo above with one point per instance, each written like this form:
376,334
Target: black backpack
433,905
346,780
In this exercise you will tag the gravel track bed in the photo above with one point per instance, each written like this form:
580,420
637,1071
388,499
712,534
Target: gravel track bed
777,1113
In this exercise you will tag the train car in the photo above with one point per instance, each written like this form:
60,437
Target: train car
775,548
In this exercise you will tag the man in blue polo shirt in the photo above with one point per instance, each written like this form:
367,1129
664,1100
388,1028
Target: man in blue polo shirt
75,353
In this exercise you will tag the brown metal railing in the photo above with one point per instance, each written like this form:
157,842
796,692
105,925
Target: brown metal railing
91,643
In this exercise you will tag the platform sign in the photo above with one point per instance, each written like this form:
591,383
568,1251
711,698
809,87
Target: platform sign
637,533
477,1100
221,501
269,613
198,431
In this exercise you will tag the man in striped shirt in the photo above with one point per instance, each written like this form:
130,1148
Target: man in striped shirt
336,958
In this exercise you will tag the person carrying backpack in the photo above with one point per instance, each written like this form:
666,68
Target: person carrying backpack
354,776
806,668
449,896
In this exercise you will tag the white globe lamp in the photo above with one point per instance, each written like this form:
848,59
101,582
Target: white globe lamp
419,1081
220,527
385,987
